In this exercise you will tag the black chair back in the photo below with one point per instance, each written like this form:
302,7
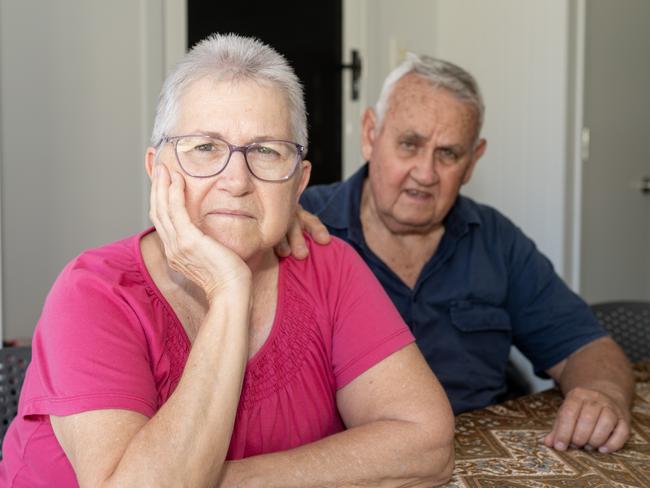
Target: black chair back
13,363
628,323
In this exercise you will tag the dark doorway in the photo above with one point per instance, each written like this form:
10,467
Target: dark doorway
309,35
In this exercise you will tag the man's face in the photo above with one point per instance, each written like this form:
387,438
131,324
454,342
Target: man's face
424,152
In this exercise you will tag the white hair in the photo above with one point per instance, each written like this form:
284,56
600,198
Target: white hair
230,57
440,74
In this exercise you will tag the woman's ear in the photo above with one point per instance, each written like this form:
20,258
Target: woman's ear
150,161
304,178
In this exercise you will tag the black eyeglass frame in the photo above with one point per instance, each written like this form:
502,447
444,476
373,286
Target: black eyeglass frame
232,148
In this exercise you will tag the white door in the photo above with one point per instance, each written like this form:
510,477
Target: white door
615,234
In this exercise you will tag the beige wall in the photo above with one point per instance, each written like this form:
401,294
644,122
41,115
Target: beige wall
78,85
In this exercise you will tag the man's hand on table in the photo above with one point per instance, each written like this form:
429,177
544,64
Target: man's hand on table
590,419
598,386
294,242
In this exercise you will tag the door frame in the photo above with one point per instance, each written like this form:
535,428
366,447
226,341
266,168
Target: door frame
355,36
576,144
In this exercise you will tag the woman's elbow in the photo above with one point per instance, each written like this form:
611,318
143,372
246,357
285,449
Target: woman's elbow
437,455
441,461
443,475
437,469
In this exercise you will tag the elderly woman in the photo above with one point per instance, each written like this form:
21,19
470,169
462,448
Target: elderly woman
191,355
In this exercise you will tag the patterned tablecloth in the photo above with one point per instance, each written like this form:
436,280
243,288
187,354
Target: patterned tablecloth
501,447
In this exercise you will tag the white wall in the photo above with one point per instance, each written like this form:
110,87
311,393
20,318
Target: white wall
78,84
393,29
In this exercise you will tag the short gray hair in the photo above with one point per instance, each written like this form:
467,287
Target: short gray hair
441,74
230,57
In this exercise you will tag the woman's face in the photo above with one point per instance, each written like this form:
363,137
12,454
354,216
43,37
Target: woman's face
245,214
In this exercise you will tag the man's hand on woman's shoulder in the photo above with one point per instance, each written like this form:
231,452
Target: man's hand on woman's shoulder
293,243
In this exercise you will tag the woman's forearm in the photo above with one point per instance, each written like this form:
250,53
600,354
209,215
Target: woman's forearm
186,442
385,453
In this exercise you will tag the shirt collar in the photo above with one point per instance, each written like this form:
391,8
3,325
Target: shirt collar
461,215
343,211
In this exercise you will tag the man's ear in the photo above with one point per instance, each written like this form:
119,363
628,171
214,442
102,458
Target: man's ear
368,135
150,161
479,150
304,179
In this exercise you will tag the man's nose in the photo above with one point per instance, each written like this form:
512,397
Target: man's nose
424,170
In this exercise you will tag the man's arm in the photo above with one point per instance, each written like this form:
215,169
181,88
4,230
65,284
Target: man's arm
559,334
400,433
598,385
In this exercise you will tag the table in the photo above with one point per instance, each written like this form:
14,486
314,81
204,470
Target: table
501,447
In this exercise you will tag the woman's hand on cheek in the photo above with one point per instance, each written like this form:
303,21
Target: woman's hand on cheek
203,260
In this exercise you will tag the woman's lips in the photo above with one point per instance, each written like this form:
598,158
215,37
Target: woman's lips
227,212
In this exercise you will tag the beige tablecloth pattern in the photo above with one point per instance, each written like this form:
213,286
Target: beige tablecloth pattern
501,447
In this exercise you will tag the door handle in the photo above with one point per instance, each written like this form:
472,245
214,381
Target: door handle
355,66
645,185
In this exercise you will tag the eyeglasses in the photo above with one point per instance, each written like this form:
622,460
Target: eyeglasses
204,156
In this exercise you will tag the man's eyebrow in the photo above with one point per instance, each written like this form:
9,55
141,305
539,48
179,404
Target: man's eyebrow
456,148
412,136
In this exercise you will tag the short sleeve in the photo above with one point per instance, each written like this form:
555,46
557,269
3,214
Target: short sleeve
550,321
89,351
367,327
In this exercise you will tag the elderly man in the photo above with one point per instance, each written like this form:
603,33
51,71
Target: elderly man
467,281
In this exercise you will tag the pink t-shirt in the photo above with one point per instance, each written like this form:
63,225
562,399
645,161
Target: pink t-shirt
107,338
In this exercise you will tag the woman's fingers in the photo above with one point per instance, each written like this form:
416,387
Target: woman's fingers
198,257
179,234
165,188
160,205
177,211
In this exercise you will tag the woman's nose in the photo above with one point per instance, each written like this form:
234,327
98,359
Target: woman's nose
236,178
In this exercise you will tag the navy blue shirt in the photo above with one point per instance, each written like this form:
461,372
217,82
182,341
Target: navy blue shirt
485,288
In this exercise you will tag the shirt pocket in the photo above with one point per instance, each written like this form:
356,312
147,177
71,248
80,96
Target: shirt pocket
469,316
484,336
